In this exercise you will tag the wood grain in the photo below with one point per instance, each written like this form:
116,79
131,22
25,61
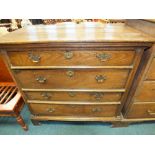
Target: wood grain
79,58
115,78
76,32
142,110
151,73
36,58
146,93
74,110
73,96
139,78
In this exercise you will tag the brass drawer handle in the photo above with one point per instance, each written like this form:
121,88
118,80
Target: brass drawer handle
41,79
150,112
98,96
103,56
68,55
34,58
70,73
96,109
45,95
72,94
50,110
100,78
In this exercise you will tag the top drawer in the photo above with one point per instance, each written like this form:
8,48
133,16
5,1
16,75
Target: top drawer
72,58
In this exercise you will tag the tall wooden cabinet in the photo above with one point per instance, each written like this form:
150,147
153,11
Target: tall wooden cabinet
141,102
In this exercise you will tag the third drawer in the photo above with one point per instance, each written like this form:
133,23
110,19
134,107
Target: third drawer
74,96
146,92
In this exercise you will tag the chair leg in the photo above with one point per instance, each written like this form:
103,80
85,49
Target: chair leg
21,122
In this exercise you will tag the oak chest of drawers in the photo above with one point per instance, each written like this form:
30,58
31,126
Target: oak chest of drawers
75,72
142,104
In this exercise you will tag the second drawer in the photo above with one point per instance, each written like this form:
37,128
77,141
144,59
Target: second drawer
146,92
73,78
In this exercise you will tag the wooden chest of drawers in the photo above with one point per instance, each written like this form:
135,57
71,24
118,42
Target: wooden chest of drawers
75,72
142,104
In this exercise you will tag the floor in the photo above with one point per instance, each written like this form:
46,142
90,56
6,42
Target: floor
8,126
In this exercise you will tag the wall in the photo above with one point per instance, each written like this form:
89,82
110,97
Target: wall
4,73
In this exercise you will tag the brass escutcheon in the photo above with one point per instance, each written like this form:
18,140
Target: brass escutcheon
70,73
68,55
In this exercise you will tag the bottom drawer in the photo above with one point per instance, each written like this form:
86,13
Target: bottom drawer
74,110
142,110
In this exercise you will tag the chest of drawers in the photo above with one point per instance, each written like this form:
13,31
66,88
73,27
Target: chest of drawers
72,72
142,104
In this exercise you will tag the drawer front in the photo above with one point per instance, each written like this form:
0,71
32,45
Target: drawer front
71,58
146,92
151,71
90,78
146,110
74,96
74,110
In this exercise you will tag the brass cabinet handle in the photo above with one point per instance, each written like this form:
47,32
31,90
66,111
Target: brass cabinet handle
46,95
50,110
70,73
41,79
103,56
68,55
100,78
96,109
98,96
150,112
34,58
72,94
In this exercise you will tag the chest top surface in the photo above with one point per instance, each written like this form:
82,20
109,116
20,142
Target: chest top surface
72,32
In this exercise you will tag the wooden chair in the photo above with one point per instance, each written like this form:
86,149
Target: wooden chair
11,102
